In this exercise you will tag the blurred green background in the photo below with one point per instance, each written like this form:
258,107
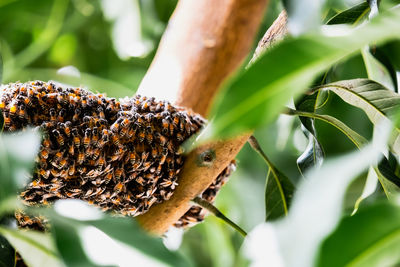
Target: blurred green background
108,45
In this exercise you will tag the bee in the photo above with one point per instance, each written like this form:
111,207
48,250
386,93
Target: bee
119,187
165,125
115,140
108,177
59,137
71,150
131,132
71,168
163,140
104,139
175,120
95,136
43,173
61,115
7,119
140,181
116,125
100,162
154,151
163,156
62,163
145,155
133,157
81,157
53,115
179,137
67,128
77,114
146,165
96,153
13,108
84,101
141,136
149,137
44,153
86,138
76,138
118,173
100,112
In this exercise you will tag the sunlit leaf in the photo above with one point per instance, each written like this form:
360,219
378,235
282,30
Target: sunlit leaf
252,98
37,249
371,237
352,15
278,194
7,253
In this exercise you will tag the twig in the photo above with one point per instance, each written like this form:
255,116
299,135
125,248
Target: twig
212,209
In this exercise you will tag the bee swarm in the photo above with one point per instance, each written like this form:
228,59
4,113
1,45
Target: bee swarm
121,155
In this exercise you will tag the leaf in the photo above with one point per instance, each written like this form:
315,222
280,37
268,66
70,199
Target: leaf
378,102
356,138
37,249
1,69
315,211
376,70
278,194
86,237
352,15
313,154
7,253
369,238
303,19
252,99
17,153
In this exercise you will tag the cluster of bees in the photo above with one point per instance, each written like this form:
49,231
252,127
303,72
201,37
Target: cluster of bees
121,155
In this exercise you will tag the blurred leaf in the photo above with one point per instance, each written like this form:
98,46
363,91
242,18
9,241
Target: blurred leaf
253,99
387,170
278,194
1,68
388,62
37,249
313,154
316,209
378,102
17,153
303,19
127,37
7,253
369,238
352,15
86,237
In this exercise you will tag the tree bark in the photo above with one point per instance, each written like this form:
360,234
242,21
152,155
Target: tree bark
204,43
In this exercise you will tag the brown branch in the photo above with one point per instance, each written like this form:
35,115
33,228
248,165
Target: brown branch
203,49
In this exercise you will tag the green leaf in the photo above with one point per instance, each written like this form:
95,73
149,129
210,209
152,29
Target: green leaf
1,68
313,154
85,237
356,138
7,253
37,249
252,98
17,153
352,15
278,194
316,209
369,238
378,102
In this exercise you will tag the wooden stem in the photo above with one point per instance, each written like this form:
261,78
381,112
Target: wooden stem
204,43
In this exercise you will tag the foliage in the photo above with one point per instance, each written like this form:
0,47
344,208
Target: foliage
338,206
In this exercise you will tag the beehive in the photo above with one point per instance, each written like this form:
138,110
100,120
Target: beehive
121,155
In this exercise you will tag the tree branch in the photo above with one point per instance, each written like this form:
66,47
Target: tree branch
196,54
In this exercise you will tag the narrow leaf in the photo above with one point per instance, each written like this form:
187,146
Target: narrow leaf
369,238
352,15
278,194
37,249
253,98
378,102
